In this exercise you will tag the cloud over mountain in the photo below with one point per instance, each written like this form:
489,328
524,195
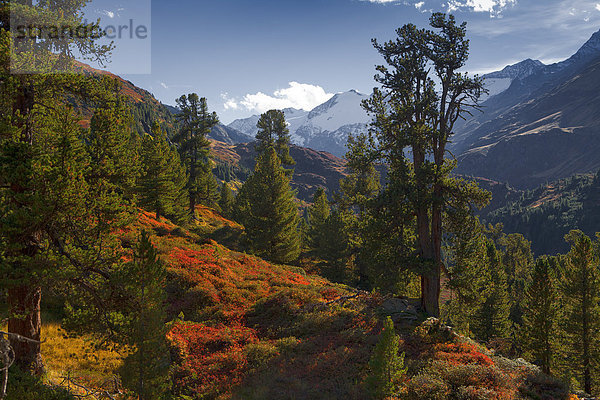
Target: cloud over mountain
302,96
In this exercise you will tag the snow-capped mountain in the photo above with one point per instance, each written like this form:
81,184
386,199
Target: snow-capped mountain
326,127
497,82
542,128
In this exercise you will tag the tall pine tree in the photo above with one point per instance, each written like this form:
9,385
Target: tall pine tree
317,217
226,201
491,319
411,113
540,315
266,207
196,123
162,183
273,132
580,289
53,226
145,371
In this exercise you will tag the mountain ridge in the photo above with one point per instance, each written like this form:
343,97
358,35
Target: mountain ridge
325,128
543,127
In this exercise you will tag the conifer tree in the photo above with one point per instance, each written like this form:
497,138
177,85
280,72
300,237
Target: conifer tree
112,146
317,217
386,365
145,371
226,201
273,132
335,244
53,229
411,113
265,205
539,315
491,319
517,259
161,186
580,289
467,274
193,144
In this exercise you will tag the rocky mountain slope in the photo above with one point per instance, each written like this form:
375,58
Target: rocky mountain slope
313,168
325,128
543,127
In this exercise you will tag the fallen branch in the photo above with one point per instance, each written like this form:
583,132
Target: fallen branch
7,355
89,392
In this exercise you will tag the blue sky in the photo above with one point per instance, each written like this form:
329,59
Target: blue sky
246,56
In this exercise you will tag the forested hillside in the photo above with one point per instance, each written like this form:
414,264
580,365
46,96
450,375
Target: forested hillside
546,214
142,258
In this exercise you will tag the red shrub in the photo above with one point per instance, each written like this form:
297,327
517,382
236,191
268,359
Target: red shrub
460,354
212,358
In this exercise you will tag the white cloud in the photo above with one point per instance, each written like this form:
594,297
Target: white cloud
598,6
382,1
494,7
419,5
229,103
302,96
164,85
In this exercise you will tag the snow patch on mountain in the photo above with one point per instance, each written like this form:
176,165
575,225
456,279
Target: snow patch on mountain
326,127
497,82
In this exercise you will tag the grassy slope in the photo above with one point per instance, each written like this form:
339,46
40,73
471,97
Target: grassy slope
254,330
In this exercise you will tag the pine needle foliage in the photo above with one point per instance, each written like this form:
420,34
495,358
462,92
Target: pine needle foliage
386,365
162,184
266,207
580,290
146,370
539,315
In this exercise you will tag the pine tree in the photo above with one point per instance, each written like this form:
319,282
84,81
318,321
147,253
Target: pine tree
580,290
52,228
193,144
491,319
145,371
540,314
112,146
411,113
517,259
273,132
227,201
317,217
162,184
335,244
266,207
467,274
386,365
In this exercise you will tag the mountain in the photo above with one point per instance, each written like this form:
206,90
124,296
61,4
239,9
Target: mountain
313,168
326,127
543,127
228,135
497,82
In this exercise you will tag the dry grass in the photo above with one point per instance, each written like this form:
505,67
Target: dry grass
78,358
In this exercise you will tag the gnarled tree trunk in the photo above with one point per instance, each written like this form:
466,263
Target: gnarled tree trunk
25,320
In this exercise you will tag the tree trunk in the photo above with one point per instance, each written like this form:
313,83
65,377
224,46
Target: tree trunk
430,278
431,283
25,320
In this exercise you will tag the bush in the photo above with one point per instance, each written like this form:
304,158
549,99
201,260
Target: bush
259,354
427,387
23,386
